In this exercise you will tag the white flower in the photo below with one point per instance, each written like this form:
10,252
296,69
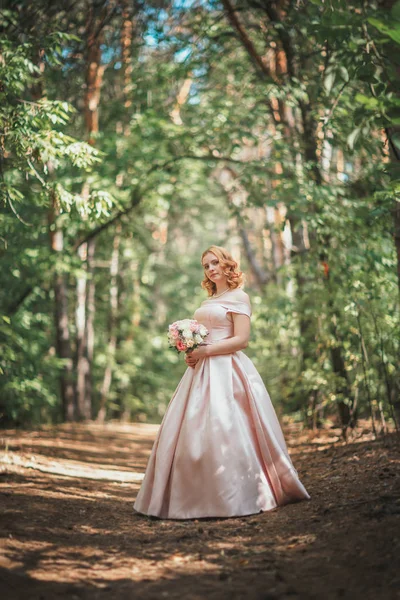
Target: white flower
198,339
187,334
189,343
203,330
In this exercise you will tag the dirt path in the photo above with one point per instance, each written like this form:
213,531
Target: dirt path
68,529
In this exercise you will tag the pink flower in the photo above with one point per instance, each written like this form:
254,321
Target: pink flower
180,345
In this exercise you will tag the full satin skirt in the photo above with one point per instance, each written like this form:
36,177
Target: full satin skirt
220,450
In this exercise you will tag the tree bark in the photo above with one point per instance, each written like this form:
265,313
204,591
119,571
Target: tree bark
347,411
395,388
81,358
94,75
90,313
262,277
61,317
127,30
112,322
85,283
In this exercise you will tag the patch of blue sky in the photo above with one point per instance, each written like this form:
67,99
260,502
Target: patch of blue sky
195,93
67,61
109,54
183,54
185,4
194,98
158,35
155,27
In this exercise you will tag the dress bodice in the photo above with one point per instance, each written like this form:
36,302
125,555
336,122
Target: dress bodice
215,314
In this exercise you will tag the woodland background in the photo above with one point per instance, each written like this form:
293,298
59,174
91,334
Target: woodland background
133,134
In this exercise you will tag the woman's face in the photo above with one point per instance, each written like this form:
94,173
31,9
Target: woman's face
213,269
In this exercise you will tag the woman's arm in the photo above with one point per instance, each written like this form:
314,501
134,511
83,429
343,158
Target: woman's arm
239,340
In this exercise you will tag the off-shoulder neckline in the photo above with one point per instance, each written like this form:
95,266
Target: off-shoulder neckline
224,296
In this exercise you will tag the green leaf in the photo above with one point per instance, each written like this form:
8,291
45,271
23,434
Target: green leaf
392,32
344,73
352,138
329,81
368,101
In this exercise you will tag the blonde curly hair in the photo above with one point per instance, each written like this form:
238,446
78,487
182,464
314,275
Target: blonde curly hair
230,267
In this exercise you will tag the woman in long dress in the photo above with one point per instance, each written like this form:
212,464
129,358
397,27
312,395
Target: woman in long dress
220,450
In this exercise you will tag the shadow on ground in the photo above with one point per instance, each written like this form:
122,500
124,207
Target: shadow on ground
72,537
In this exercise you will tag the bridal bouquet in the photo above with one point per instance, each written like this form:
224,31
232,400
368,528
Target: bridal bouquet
186,335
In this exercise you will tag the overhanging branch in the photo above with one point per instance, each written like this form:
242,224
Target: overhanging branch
136,198
138,194
255,58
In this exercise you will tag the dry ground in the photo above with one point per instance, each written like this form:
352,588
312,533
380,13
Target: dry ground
68,529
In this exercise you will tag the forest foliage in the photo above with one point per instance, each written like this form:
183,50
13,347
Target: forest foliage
135,134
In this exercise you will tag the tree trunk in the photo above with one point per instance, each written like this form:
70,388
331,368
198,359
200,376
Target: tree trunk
61,317
94,75
261,276
112,322
126,50
274,226
90,312
63,345
394,154
395,389
347,411
81,358
85,283
396,237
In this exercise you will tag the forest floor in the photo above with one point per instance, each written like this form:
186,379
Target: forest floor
68,529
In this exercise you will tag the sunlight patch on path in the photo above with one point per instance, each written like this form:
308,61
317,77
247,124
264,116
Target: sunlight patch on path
10,461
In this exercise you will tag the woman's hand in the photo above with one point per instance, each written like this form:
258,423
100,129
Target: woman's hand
193,356
189,360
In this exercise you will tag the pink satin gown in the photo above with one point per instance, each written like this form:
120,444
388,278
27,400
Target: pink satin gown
220,450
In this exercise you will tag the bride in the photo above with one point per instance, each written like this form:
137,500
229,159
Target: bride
220,450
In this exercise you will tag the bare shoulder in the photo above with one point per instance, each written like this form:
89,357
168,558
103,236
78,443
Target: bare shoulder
242,296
